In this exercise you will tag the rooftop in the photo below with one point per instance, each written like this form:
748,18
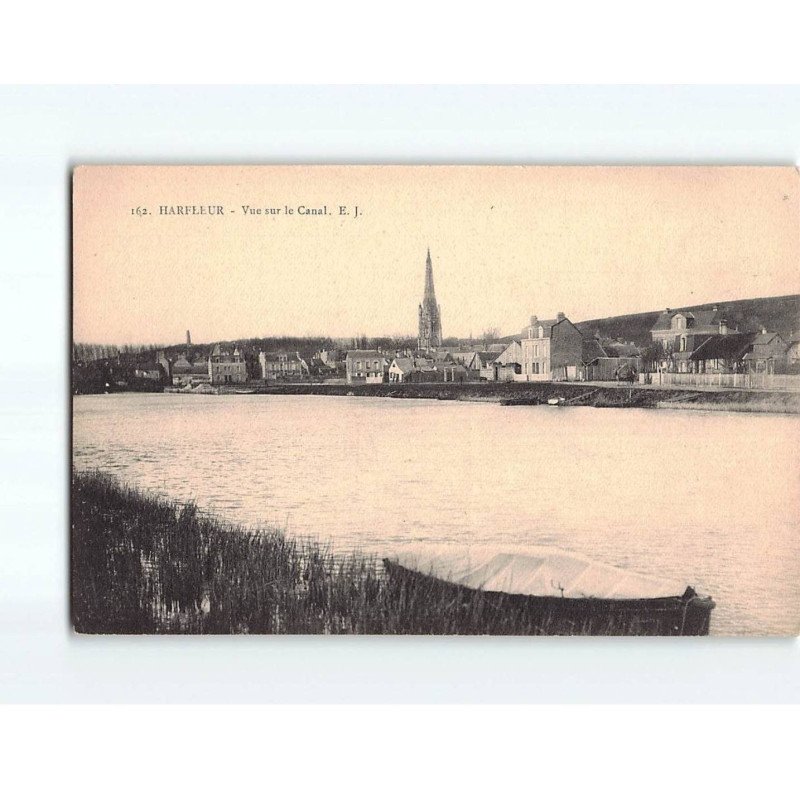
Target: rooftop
698,319
731,347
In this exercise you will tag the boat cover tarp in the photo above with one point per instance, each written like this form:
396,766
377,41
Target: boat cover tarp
548,573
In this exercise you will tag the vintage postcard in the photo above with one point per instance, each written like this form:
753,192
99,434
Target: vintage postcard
436,400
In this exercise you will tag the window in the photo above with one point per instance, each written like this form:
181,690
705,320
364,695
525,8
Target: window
683,344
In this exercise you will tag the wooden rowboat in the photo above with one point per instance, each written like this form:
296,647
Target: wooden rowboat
553,592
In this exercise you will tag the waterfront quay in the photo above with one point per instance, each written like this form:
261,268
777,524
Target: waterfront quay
598,394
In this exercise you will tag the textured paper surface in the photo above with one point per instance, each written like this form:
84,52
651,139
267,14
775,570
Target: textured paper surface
704,496
512,239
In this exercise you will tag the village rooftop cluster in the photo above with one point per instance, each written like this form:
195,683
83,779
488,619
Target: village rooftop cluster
686,347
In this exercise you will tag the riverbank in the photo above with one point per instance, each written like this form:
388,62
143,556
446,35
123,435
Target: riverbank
597,395
142,564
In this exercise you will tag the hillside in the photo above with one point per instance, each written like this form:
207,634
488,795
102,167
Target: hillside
781,314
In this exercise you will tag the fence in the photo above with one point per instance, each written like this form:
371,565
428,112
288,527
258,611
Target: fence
741,380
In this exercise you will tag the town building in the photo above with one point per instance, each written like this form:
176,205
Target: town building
401,369
679,333
618,348
703,341
282,366
148,371
552,349
331,357
593,349
768,354
484,364
319,369
508,363
465,357
612,368
165,364
512,354
426,370
473,360
226,365
720,353
365,366
453,373
610,360
405,369
189,370
430,313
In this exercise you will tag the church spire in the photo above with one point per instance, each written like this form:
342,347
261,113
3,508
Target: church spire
430,294
430,321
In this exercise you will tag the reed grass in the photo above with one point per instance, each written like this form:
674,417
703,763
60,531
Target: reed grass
770,404
142,564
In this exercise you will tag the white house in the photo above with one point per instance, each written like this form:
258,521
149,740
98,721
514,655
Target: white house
400,369
365,366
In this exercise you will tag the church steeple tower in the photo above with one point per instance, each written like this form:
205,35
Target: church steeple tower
430,316
430,294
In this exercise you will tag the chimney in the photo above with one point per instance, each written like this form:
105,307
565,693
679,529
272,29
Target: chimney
560,316
667,310
763,329
723,326
534,320
188,339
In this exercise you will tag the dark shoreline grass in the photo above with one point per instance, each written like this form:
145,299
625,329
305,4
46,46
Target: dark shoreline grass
142,564
145,565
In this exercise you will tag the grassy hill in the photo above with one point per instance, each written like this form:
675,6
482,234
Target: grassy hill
781,314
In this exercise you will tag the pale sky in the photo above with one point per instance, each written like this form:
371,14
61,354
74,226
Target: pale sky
506,242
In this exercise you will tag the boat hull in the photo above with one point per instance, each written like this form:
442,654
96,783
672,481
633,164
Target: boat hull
686,615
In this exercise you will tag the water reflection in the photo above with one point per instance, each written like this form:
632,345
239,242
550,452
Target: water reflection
703,497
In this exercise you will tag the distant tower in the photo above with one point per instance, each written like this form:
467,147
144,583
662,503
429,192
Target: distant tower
188,339
430,315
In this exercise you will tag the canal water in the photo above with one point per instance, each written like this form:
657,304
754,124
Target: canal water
709,499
